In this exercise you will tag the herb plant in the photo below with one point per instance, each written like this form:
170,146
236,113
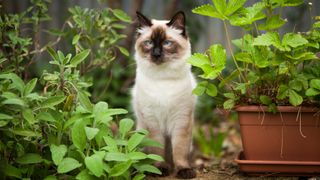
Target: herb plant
270,69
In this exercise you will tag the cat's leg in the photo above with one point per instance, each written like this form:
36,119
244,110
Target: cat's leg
181,143
156,135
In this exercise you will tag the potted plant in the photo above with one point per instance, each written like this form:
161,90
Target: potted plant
274,86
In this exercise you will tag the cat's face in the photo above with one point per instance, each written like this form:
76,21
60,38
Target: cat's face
162,41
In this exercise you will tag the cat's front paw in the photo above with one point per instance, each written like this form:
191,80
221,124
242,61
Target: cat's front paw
186,173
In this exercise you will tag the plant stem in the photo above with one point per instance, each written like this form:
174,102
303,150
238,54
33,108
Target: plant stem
231,52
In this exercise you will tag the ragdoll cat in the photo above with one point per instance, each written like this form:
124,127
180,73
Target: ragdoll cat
162,96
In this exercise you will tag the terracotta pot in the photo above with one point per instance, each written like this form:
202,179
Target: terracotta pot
292,134
284,143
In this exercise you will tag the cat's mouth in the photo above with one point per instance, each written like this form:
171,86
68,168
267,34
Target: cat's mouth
157,60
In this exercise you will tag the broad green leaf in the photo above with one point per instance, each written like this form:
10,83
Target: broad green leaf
30,86
116,156
17,82
198,60
139,177
228,104
294,98
218,56
52,101
282,92
121,15
78,58
51,177
120,168
149,142
95,163
312,92
116,111
125,126
233,6
229,95
148,168
136,155
135,140
85,175
111,143
75,39
200,88
212,90
248,16
91,132
295,84
155,157
265,100
244,57
5,116
29,158
26,133
46,116
14,101
57,153
78,134
100,112
208,10
12,171
85,101
67,165
123,50
28,115
315,83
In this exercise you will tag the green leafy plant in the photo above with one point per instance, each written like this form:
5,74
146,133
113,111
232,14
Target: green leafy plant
210,143
270,69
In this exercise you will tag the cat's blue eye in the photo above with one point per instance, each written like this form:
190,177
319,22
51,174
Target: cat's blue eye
147,42
167,43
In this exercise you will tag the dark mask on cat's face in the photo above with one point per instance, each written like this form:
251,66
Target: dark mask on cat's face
162,41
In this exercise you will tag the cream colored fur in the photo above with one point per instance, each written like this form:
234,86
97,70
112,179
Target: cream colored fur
162,97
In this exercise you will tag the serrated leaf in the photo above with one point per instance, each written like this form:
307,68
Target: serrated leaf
67,165
228,104
267,39
78,58
95,164
312,92
233,6
265,100
273,22
29,158
315,83
208,10
198,60
220,5
91,132
121,15
293,40
57,153
200,88
294,98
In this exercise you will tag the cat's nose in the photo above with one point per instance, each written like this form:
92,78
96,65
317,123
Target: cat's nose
156,52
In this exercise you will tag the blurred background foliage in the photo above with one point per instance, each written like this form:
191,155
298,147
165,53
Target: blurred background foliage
111,79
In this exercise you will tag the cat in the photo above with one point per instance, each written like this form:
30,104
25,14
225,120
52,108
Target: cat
162,97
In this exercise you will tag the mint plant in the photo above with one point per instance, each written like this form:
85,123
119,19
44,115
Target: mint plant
270,69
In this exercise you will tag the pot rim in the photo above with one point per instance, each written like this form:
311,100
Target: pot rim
254,108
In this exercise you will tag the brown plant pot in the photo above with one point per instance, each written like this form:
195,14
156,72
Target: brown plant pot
292,134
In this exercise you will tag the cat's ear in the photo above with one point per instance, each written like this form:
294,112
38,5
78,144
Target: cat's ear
178,21
143,20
